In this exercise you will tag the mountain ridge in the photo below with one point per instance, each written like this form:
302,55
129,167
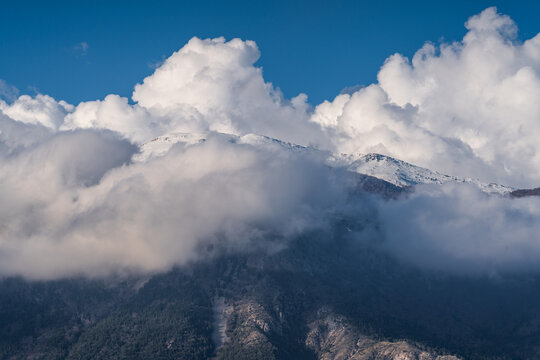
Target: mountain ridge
394,171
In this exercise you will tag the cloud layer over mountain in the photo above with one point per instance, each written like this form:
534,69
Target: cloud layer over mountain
74,203
77,201
458,228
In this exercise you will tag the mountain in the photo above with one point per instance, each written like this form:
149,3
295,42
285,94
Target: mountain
403,174
326,295
323,297
525,192
160,145
383,167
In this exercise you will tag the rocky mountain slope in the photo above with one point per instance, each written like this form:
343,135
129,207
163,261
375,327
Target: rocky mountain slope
323,297
525,192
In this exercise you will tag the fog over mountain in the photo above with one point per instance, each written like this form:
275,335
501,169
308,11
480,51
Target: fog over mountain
79,199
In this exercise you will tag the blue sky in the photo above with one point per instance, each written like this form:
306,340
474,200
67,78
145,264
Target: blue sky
314,47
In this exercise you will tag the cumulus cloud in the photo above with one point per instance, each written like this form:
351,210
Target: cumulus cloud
41,109
215,83
468,108
116,114
79,198
207,85
16,136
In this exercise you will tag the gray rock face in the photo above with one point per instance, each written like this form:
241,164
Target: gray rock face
332,337
525,192
329,336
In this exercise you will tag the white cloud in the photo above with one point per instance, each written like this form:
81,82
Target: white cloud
207,85
457,228
69,208
114,113
212,85
16,136
41,109
467,108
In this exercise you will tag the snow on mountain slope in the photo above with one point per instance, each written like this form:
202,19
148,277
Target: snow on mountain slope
394,171
403,174
161,145
261,140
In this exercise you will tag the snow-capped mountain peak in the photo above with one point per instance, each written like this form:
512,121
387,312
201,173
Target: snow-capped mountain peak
394,171
404,174
160,146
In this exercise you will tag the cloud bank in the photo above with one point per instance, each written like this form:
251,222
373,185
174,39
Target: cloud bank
78,199
74,203
468,108
458,228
